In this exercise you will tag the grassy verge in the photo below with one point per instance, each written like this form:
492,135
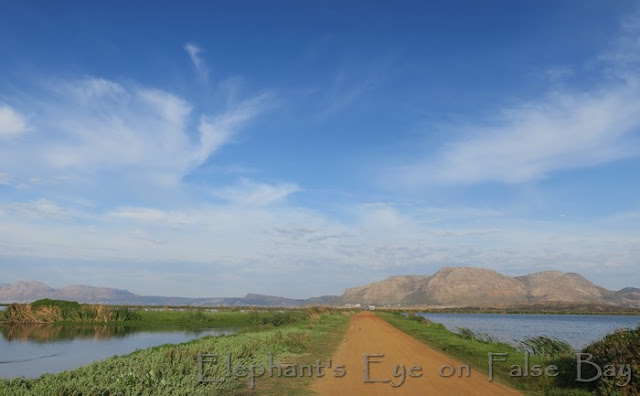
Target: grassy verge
194,317
173,369
474,351
331,330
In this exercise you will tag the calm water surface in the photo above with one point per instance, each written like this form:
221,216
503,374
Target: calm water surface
31,351
577,330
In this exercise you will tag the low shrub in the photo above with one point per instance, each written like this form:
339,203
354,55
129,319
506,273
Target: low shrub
620,348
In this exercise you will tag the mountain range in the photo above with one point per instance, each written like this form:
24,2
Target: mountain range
449,287
478,287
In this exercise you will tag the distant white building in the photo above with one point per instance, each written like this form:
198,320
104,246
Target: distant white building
372,307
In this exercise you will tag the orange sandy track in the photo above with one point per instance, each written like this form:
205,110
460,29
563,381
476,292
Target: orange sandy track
368,334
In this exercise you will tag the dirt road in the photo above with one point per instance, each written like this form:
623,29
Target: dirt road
368,334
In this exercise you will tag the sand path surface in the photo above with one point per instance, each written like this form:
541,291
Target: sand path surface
368,334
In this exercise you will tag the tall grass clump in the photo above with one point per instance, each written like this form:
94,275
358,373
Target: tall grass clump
275,318
417,318
52,311
546,346
476,336
197,315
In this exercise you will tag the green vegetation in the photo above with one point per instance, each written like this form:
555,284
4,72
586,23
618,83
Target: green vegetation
621,347
202,317
476,336
473,349
52,311
277,317
546,346
173,369
193,317
539,346
70,312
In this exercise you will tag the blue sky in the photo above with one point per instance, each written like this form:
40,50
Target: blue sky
298,148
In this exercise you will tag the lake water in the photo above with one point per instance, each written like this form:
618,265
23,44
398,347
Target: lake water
577,330
31,351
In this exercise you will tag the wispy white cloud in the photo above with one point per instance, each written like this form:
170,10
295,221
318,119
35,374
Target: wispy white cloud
152,216
529,142
250,193
194,54
558,73
564,129
465,233
290,240
347,88
38,209
139,214
216,131
12,123
622,60
89,89
338,99
5,179
93,125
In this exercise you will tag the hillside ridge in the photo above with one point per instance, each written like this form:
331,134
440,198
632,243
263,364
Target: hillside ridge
448,287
